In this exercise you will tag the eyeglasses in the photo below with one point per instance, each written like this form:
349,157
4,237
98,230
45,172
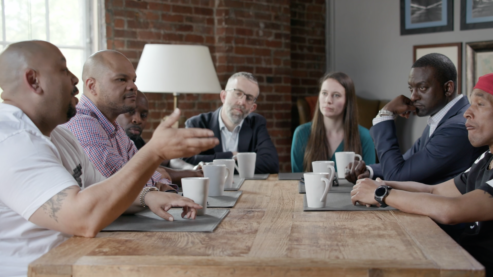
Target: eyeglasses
238,94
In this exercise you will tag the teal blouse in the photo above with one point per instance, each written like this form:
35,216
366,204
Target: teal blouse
300,139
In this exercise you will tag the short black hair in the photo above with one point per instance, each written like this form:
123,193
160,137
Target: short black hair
444,68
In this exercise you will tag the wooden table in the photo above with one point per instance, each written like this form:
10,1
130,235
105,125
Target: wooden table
268,234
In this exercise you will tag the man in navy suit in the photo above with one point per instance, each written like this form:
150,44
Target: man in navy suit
443,151
236,127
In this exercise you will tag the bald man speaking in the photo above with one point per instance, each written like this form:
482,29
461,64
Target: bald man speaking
109,90
47,189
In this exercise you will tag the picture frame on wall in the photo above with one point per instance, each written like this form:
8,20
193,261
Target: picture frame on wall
452,50
479,61
476,14
426,16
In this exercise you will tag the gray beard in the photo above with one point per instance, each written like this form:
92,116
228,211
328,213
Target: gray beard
235,119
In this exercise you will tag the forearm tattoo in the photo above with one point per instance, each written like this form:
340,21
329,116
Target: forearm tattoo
53,206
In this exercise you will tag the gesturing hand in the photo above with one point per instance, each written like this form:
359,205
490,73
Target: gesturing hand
160,203
170,143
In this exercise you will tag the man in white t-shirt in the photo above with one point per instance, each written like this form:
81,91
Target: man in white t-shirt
43,167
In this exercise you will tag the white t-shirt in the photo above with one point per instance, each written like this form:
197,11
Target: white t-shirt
33,168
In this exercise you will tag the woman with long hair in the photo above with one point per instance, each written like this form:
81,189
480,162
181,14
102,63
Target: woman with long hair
334,127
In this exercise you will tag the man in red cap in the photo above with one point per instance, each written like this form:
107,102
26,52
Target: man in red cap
467,198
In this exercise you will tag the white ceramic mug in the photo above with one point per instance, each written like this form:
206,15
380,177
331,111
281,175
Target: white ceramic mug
196,188
246,164
217,174
343,159
322,166
317,185
230,164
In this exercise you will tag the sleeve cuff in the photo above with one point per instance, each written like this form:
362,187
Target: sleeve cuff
371,171
377,120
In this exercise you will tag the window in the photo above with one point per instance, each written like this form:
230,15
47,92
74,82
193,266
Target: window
72,25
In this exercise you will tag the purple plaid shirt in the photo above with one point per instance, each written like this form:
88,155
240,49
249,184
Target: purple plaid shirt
105,143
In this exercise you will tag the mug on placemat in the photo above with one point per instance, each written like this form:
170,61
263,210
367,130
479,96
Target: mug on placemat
217,174
230,164
246,164
317,186
322,166
343,159
196,188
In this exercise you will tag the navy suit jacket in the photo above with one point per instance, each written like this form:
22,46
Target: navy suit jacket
253,137
432,159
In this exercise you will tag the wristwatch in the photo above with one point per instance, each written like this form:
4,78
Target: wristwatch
384,112
380,193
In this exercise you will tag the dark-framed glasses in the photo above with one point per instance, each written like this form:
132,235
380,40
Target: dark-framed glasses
238,94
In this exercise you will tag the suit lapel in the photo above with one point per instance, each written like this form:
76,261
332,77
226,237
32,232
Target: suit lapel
452,112
214,126
424,137
246,133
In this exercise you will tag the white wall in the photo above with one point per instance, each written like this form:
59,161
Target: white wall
369,48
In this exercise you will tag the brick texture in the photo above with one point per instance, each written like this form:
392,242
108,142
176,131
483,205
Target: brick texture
307,49
281,42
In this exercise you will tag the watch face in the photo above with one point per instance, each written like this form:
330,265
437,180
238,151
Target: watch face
380,192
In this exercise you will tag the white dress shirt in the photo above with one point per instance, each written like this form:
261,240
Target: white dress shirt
229,139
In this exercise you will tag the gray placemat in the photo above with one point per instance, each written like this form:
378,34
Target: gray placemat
290,176
341,202
237,182
227,200
147,221
255,176
344,186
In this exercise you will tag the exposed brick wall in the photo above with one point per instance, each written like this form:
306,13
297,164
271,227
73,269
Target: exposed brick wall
307,48
242,35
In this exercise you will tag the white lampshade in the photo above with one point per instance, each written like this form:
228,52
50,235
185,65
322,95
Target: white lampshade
167,68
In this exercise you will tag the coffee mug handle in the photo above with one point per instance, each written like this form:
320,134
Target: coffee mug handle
236,166
332,175
326,190
227,175
359,159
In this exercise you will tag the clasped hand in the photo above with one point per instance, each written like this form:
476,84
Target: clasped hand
363,192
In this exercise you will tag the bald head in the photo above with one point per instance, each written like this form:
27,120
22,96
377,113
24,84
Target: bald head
100,62
35,78
109,82
17,58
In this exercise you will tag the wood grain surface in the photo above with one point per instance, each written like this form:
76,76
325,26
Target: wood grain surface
268,234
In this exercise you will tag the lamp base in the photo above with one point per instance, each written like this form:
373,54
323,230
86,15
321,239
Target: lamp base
177,124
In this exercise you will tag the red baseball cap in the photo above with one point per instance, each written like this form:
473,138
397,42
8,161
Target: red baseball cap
485,83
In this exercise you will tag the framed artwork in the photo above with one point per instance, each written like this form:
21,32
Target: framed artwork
479,61
452,50
476,14
426,16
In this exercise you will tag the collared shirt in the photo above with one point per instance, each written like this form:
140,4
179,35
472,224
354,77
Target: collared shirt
105,142
435,119
229,139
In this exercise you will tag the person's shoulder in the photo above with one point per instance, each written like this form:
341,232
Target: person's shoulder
13,121
303,128
363,132
81,123
63,133
256,118
200,118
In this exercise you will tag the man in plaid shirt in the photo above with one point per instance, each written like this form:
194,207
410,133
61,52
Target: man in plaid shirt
109,90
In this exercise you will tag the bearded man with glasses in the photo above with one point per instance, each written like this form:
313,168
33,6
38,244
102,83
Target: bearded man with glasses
237,127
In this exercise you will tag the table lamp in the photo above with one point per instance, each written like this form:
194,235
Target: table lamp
171,68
